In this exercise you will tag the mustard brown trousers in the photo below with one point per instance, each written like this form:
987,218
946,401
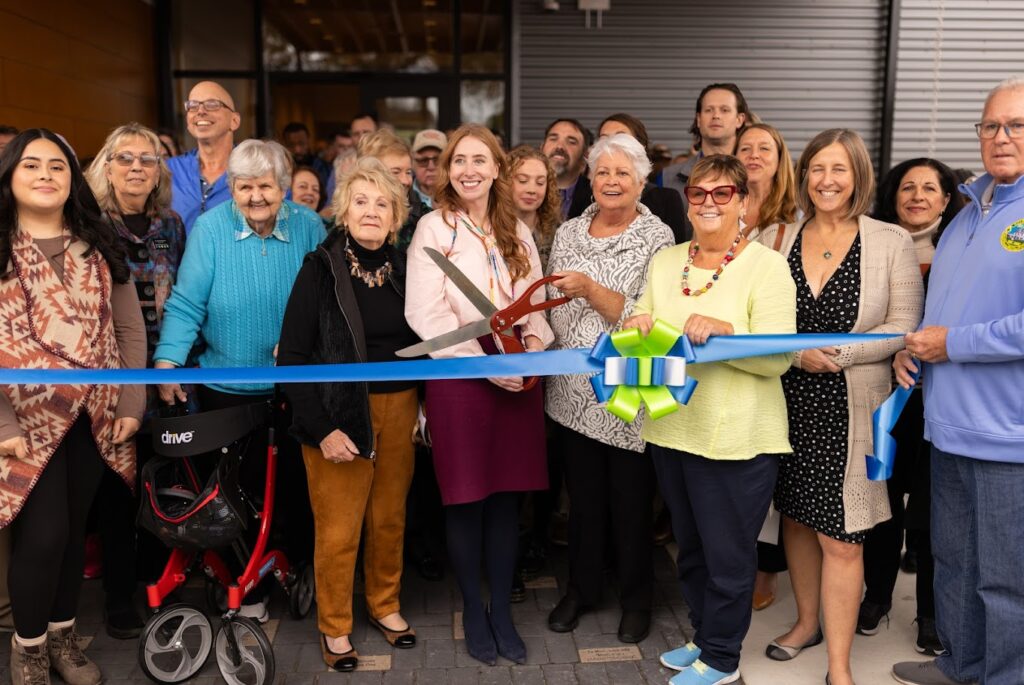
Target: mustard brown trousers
363,498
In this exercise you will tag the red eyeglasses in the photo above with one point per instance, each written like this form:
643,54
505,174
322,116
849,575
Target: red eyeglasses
720,195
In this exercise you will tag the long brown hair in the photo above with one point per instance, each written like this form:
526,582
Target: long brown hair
501,210
780,205
549,214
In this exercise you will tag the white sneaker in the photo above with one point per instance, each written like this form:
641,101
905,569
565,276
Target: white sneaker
257,612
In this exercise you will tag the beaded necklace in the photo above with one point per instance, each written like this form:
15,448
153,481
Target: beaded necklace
372,279
694,248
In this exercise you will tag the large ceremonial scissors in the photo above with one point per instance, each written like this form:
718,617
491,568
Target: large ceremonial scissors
498,322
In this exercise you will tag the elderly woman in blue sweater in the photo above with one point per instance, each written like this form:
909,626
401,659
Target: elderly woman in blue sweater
233,284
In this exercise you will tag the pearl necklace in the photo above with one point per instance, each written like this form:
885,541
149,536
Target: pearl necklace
694,249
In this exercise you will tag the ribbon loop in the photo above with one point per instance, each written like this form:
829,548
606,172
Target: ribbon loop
643,371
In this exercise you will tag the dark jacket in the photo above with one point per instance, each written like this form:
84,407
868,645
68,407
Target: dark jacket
663,203
323,325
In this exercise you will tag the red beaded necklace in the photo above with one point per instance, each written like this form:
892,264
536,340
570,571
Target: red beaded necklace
694,249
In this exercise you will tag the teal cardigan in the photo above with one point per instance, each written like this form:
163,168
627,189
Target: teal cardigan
233,287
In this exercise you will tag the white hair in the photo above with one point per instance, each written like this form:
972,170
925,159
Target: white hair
621,144
1011,83
252,158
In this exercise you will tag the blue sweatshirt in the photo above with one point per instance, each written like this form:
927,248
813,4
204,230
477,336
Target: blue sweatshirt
233,287
190,194
974,403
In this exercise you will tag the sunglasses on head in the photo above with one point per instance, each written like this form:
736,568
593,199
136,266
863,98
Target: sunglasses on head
127,159
720,195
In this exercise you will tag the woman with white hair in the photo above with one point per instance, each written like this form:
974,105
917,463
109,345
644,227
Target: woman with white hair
601,259
240,262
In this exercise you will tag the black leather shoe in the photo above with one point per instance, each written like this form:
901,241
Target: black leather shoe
122,621
429,568
566,615
634,626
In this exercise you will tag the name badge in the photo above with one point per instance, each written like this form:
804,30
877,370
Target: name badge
161,244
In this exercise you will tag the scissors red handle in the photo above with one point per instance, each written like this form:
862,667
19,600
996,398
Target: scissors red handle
503,320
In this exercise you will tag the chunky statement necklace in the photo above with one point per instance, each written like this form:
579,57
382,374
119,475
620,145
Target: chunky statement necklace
694,249
372,279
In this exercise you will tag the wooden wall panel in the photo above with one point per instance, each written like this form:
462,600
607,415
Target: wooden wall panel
80,68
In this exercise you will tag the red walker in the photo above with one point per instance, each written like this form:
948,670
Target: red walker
195,518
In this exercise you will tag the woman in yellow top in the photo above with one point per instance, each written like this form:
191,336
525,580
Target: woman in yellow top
717,457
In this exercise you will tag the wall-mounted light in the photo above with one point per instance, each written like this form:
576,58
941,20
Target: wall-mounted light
598,6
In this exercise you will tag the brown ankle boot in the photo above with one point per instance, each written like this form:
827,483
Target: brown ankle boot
68,659
29,665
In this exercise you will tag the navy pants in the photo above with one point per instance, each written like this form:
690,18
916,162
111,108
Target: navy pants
718,508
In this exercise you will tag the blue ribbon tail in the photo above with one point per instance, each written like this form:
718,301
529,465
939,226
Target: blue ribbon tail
601,391
603,349
682,393
880,464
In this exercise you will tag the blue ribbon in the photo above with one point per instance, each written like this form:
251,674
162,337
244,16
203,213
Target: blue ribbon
884,419
558,362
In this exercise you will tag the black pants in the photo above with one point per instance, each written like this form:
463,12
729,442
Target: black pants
292,524
611,490
718,508
882,547
48,535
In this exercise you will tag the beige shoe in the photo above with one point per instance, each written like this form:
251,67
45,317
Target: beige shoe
68,659
29,665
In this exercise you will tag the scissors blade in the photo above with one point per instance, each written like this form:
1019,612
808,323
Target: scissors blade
462,282
462,334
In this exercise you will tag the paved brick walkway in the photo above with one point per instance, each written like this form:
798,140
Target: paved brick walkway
439,658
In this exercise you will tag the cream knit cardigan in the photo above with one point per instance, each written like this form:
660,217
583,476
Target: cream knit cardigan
891,301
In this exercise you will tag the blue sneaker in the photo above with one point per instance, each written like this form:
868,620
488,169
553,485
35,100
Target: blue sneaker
702,674
681,658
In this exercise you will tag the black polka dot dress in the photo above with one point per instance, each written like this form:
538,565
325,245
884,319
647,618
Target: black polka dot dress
810,484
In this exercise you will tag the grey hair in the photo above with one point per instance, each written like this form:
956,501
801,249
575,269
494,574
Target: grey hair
1011,83
252,158
624,144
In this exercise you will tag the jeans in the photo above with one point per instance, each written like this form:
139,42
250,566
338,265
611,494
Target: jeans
978,544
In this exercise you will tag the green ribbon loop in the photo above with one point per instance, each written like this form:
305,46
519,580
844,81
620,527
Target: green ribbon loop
627,400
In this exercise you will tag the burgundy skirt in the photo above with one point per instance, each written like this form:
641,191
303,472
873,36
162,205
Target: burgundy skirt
485,439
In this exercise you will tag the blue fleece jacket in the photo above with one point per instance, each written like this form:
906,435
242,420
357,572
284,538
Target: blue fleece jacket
974,403
233,287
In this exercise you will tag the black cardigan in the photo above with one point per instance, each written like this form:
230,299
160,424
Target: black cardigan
322,325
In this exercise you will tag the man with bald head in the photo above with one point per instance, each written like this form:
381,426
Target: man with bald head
198,178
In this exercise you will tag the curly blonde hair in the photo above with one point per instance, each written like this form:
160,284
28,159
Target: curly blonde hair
549,214
371,170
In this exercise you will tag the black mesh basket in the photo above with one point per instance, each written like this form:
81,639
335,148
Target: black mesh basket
181,514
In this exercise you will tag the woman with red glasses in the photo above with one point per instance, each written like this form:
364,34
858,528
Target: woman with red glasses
717,457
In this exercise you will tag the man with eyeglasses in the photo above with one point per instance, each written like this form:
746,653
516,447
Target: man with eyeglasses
972,344
427,147
199,178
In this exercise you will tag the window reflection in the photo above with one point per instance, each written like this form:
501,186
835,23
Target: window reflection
483,102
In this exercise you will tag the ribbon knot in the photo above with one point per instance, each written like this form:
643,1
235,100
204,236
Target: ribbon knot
642,371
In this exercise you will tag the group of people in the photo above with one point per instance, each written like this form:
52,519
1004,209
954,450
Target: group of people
257,253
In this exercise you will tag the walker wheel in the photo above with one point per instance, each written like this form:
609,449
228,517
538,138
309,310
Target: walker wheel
244,654
302,592
175,644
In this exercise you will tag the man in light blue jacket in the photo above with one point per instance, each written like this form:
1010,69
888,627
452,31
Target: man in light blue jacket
972,344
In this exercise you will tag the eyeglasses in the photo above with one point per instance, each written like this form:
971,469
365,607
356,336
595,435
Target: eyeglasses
720,195
990,129
424,162
127,159
211,105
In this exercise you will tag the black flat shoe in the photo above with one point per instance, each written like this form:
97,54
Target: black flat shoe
345,662
566,615
122,621
479,638
634,626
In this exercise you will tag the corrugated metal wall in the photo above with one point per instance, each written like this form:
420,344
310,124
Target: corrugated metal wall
803,65
951,53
